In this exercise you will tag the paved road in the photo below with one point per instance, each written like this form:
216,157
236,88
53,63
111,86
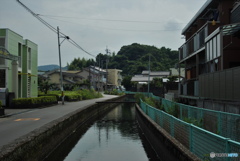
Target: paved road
24,121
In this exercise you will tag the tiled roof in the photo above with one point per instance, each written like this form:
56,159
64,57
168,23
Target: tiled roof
141,79
156,73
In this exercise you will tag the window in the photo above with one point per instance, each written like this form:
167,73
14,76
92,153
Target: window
207,53
2,42
214,47
29,59
218,46
20,54
213,50
2,61
210,50
2,78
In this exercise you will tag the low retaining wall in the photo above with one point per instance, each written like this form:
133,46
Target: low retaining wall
40,142
165,146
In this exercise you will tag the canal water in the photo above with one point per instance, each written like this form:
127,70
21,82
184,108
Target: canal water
114,137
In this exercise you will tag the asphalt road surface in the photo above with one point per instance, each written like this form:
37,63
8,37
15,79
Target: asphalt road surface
21,123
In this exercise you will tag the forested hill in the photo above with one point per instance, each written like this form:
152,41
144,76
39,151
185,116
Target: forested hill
133,59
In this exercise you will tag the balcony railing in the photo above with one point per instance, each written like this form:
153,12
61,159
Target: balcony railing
197,41
235,13
20,62
189,88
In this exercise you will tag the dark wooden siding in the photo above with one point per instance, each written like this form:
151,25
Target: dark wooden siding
223,85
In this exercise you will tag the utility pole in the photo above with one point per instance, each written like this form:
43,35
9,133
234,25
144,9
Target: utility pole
60,62
99,63
107,52
149,76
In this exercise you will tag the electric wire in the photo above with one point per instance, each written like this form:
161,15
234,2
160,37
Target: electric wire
108,28
62,35
99,19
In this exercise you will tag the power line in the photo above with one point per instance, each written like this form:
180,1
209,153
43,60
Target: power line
108,28
54,29
99,19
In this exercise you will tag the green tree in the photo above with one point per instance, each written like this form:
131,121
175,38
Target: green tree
157,82
126,82
45,86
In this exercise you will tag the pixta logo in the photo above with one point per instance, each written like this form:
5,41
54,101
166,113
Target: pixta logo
213,155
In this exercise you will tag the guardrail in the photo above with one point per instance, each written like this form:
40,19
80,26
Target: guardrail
201,142
221,123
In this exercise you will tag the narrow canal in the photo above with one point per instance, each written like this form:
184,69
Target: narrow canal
116,136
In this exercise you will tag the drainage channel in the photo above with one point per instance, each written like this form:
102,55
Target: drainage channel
116,136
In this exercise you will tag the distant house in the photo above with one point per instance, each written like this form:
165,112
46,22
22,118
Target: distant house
175,72
114,77
96,77
143,78
146,76
18,64
69,77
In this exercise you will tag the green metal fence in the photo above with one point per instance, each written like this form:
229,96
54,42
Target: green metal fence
199,141
221,123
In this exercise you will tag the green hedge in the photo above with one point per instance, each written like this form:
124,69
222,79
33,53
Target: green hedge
89,94
114,92
56,95
34,102
73,97
0,104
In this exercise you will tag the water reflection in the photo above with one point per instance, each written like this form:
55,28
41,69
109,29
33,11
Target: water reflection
114,137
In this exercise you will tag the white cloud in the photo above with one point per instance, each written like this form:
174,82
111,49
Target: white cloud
88,23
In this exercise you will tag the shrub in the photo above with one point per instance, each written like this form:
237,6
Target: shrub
0,104
56,95
89,94
48,99
34,102
150,101
174,110
77,95
139,96
114,92
73,97
194,121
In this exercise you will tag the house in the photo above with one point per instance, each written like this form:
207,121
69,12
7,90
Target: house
69,77
96,77
176,72
18,64
114,77
211,56
146,76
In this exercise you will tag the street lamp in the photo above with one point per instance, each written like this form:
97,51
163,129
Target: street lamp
60,64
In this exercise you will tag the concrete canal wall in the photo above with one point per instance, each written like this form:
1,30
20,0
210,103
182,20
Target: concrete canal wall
165,146
40,142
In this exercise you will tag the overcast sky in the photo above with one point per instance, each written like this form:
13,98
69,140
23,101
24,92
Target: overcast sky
95,24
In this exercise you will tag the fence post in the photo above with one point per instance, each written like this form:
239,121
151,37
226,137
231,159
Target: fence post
180,111
146,108
189,112
219,123
191,137
172,125
227,149
161,119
